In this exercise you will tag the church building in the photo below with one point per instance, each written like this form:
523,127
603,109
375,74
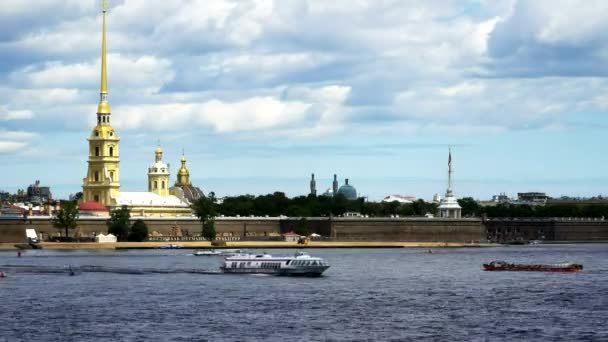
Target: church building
102,182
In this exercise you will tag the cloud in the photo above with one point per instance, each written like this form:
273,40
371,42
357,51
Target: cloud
304,108
15,141
146,72
550,38
6,115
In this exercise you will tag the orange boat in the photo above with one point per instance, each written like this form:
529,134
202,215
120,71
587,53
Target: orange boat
507,266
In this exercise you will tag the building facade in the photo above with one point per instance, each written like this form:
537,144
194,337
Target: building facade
102,182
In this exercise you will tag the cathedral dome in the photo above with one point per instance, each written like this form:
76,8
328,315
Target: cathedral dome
348,191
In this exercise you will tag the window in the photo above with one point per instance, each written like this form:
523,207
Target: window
96,133
162,185
111,176
97,176
111,134
96,151
155,185
96,198
111,151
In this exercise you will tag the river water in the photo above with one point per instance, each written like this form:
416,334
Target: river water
366,295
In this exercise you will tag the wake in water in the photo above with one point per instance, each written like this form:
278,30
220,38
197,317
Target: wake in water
74,270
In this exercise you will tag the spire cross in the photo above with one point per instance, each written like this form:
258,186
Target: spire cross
104,5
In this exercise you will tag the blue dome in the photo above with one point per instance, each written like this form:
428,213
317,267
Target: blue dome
348,191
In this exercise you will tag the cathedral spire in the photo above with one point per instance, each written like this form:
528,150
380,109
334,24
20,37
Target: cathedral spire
104,106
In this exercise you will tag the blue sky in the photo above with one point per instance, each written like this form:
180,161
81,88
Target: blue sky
262,93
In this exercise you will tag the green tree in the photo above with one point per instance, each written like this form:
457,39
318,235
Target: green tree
119,223
302,228
206,210
209,230
139,231
66,218
469,206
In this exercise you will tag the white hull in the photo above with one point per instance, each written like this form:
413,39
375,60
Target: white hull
299,265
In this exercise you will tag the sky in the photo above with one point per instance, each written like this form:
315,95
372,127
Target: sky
259,94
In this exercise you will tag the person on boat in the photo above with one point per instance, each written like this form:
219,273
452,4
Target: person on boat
18,254
2,274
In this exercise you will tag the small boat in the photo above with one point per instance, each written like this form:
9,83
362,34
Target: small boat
206,252
559,267
233,252
301,264
170,246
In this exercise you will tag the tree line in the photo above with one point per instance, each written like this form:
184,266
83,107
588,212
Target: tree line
277,204
471,208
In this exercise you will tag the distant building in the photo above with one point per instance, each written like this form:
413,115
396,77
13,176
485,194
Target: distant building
313,185
334,185
501,198
183,188
449,207
437,198
532,197
38,194
399,198
348,191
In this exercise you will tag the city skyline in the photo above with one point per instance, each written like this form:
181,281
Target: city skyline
258,105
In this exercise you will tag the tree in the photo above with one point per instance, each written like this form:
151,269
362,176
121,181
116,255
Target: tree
206,209
302,227
469,206
139,231
119,223
209,230
66,218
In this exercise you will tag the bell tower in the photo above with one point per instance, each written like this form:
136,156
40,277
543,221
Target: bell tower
102,181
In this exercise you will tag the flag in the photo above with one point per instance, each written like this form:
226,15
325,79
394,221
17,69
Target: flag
450,159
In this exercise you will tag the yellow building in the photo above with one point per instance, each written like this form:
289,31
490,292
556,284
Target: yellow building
102,183
183,186
158,175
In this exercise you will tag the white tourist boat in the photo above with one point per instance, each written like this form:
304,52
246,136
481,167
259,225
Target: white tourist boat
216,252
301,264
206,252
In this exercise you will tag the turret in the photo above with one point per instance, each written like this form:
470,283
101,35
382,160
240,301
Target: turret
183,175
313,185
158,175
335,185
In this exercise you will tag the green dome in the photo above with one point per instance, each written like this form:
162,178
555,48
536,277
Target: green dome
348,191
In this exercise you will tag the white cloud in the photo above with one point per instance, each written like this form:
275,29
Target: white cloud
6,115
15,141
305,108
146,72
11,146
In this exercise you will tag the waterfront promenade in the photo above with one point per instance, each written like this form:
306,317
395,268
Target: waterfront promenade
249,244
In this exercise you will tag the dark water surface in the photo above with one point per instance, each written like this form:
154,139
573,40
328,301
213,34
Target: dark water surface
367,294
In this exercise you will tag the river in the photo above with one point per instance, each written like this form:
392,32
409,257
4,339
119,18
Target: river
404,294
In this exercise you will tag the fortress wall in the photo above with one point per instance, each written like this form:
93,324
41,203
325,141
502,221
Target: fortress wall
581,230
407,229
13,229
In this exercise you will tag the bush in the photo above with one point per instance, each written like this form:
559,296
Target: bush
209,230
139,231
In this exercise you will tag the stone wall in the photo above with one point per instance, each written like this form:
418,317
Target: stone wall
554,229
13,230
408,229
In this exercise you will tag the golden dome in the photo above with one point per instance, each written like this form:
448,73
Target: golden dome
158,150
103,132
104,108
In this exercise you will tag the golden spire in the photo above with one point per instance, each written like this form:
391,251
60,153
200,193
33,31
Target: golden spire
104,106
